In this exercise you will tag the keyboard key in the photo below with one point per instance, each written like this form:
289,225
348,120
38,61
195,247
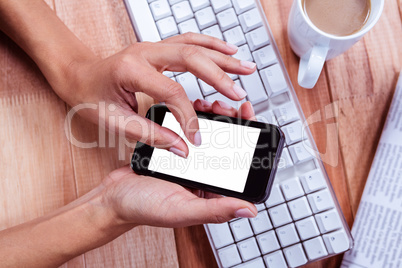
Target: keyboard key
293,132
167,27
267,116
190,85
265,57
205,18
248,249
313,181
285,161
307,228
243,54
274,80
275,197
320,201
172,2
221,235
315,248
328,221
160,9
336,242
213,31
198,4
243,5
241,229
280,99
168,74
256,263
189,26
287,235
292,188
287,113
182,11
227,19
259,207
229,256
250,20
295,255
206,89
275,260
300,153
235,36
257,38
299,208
261,222
279,215
254,88
220,97
268,242
220,5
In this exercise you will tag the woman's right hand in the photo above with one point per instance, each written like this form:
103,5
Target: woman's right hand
139,68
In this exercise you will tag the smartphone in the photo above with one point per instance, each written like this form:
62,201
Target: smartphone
237,157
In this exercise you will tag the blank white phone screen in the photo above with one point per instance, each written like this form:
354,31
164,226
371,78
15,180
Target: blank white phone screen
223,159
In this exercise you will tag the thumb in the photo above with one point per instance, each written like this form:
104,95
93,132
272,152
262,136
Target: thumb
138,128
218,210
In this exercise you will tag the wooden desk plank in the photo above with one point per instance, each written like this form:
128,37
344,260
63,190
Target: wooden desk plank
105,28
36,167
363,80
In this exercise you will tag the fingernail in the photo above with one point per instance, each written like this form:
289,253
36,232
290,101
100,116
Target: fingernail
197,138
224,105
239,91
248,64
205,104
177,152
244,213
231,46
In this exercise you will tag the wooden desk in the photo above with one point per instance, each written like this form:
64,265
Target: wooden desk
41,170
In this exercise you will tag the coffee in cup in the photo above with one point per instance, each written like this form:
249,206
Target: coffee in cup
338,17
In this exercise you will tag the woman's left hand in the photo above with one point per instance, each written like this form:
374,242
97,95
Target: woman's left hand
142,200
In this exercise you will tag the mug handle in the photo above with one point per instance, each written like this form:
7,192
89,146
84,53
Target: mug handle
311,65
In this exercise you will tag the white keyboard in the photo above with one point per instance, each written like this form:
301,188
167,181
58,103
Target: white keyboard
301,222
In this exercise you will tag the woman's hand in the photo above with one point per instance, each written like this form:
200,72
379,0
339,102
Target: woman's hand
79,77
143,200
139,68
123,201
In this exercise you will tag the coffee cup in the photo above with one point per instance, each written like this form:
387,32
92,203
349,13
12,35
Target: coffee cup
314,46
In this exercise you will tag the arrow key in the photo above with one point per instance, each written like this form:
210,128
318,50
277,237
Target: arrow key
315,248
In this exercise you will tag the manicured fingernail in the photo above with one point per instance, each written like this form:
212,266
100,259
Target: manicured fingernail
197,138
244,213
177,152
231,46
239,91
205,104
248,64
224,105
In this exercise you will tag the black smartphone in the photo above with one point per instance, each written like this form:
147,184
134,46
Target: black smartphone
237,157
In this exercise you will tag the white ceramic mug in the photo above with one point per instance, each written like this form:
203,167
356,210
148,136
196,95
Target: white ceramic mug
314,46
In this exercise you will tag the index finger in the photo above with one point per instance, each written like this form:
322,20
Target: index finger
204,41
172,93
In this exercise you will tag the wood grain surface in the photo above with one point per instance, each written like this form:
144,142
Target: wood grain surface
42,171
